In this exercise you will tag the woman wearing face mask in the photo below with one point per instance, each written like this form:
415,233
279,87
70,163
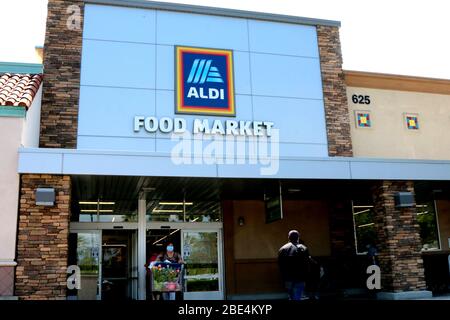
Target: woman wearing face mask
170,256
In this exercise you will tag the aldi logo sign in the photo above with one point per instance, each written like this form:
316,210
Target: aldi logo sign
204,81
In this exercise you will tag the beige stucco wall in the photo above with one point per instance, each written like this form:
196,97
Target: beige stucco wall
10,141
30,132
15,132
388,137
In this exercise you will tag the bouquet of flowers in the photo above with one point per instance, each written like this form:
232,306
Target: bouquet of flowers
166,277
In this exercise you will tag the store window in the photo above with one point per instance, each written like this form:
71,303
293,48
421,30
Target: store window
427,219
364,226
104,211
183,211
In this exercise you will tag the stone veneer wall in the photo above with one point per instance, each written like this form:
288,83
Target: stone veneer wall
339,144
334,92
61,86
398,239
43,239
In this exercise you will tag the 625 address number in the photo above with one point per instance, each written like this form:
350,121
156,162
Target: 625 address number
360,99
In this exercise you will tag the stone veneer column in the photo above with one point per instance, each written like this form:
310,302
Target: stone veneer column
61,85
334,92
43,239
402,272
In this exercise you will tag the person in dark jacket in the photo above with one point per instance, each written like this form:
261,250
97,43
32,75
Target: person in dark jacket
293,260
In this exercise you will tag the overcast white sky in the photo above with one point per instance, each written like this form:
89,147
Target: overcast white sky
391,36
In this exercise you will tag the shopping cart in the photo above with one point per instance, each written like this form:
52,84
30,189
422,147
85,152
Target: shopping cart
167,277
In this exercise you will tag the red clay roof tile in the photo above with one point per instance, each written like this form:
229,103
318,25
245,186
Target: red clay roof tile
19,89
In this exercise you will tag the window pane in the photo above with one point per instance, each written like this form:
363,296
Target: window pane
84,251
201,257
179,211
426,217
363,218
104,211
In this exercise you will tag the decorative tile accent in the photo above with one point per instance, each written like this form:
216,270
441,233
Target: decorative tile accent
412,121
363,119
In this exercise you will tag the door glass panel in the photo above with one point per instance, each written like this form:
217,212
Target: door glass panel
86,247
117,265
200,254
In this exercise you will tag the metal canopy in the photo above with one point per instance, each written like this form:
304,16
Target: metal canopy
151,164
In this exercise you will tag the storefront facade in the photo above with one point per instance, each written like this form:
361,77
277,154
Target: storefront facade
170,123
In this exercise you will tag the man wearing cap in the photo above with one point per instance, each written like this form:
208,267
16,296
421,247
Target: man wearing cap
293,259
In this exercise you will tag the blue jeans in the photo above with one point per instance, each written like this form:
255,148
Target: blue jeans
169,295
295,290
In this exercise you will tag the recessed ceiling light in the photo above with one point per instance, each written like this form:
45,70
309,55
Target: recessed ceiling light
175,203
95,202
166,211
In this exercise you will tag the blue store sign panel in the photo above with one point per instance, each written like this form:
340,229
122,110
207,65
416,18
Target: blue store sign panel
204,81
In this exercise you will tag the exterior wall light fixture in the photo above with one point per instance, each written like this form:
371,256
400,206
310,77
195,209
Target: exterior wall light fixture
404,199
45,196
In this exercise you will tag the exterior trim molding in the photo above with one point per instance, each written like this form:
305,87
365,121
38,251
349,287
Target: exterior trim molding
406,295
216,11
9,298
15,67
13,112
7,263
97,162
372,80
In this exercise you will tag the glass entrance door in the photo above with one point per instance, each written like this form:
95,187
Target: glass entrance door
202,254
108,264
119,265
